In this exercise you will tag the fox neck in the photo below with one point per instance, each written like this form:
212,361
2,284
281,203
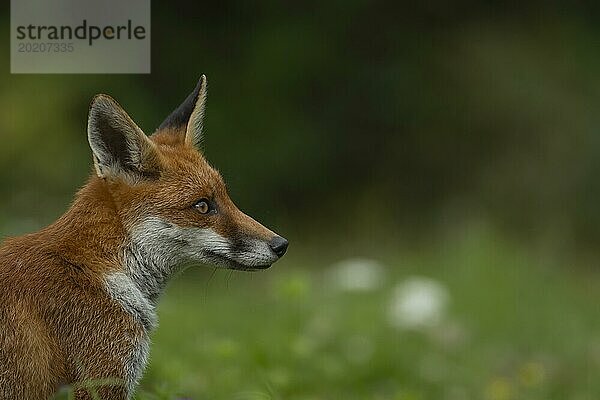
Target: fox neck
149,265
133,268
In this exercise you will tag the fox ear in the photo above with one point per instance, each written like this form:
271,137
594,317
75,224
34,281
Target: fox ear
193,132
190,114
120,147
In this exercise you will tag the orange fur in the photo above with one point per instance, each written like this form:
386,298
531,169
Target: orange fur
58,324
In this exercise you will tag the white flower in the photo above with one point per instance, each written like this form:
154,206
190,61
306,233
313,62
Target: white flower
418,303
357,274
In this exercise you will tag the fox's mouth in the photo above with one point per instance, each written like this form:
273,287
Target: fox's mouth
230,263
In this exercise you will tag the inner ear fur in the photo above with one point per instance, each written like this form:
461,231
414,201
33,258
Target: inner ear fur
119,146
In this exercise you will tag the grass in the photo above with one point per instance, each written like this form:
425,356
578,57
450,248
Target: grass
513,327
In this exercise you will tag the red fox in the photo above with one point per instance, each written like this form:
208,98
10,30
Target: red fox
78,298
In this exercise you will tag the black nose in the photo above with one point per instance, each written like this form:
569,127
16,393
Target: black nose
279,245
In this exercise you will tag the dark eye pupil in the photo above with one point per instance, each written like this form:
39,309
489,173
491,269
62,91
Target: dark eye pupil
202,206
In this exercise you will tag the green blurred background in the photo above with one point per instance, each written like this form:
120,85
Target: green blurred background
448,154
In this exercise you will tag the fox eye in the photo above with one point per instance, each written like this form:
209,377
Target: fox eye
202,206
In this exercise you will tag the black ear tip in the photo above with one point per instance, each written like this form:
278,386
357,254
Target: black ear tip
104,106
101,98
199,85
181,115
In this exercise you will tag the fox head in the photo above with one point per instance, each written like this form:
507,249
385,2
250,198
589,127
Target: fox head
170,200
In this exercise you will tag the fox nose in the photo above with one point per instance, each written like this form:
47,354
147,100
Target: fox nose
279,245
